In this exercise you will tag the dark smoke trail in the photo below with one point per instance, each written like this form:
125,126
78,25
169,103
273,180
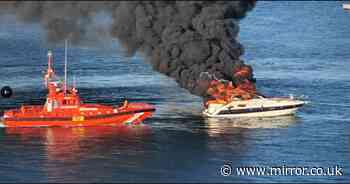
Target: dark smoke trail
190,41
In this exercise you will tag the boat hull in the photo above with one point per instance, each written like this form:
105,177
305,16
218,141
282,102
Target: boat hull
261,107
273,113
113,119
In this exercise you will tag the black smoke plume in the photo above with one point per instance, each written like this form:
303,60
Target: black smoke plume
190,41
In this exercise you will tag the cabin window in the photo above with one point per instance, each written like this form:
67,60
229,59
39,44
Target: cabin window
68,102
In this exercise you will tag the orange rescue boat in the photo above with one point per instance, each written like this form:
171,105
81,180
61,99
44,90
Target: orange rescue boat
63,107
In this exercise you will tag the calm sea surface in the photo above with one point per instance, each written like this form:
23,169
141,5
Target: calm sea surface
299,48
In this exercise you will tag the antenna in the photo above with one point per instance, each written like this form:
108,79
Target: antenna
65,66
49,73
74,82
49,63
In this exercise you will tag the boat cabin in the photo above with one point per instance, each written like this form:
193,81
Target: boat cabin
59,99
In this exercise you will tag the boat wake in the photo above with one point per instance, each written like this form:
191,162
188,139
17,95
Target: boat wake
332,104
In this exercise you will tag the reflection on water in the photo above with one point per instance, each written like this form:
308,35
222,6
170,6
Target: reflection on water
220,125
70,144
63,148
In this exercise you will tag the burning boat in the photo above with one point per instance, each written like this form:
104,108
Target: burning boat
255,107
242,99
63,107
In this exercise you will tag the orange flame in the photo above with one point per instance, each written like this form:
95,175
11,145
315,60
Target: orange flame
223,91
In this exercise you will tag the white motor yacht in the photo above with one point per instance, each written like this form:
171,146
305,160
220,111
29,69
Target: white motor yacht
346,6
256,107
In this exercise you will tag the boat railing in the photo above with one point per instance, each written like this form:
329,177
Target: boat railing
30,108
260,97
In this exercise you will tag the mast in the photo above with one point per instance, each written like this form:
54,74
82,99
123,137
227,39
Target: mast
65,67
49,73
49,62
74,82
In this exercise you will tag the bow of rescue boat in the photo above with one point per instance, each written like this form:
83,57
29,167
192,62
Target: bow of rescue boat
139,111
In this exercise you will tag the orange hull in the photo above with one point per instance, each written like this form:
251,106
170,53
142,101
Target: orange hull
112,119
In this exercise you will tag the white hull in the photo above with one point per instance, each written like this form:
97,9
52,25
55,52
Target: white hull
255,114
258,107
346,6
